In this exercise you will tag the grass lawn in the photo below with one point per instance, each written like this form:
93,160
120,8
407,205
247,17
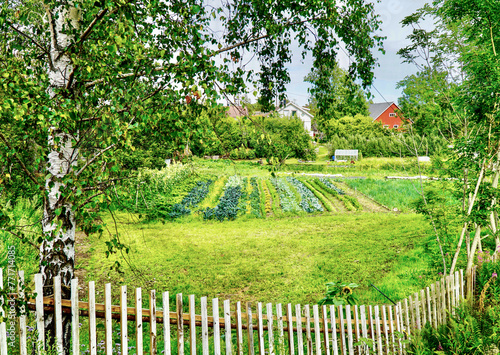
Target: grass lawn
270,260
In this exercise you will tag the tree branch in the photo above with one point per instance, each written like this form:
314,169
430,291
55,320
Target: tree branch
30,38
25,169
94,158
90,27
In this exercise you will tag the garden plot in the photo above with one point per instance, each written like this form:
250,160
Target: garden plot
288,198
309,202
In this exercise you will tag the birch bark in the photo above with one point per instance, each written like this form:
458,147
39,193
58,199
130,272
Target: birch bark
57,251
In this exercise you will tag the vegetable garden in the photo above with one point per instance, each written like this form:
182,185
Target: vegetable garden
209,197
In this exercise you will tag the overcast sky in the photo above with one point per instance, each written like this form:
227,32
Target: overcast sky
391,69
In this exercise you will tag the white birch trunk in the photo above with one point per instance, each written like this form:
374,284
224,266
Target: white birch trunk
57,251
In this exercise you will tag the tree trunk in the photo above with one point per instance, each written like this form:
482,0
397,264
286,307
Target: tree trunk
57,251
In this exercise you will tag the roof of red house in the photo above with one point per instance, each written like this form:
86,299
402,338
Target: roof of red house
377,109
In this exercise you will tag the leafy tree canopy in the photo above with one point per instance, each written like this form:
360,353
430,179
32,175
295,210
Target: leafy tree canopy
334,94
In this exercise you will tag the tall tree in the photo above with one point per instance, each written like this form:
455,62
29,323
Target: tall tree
334,95
78,78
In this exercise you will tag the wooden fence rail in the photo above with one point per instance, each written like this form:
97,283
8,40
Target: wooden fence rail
196,328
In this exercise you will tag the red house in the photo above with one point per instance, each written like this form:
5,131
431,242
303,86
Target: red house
386,114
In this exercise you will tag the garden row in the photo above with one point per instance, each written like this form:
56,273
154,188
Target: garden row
227,198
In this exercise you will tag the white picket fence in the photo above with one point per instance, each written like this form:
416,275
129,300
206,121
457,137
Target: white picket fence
266,329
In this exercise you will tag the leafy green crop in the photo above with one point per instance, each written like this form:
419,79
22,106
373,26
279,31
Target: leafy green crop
192,199
228,204
309,202
287,197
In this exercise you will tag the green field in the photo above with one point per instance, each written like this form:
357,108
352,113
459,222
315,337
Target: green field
274,260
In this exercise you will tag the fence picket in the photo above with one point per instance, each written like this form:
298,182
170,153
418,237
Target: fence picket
448,292
407,317
412,313
434,308
39,315
443,300
192,325
204,325
342,331
92,320
123,320
152,323
270,336
227,327
364,330
58,314
307,313
108,322
457,288
166,323
251,349
22,317
417,311
180,325
372,327
281,336
139,326
317,334
289,318
216,325
260,328
356,324
384,328
335,346
325,330
423,305
239,329
428,299
462,285
391,329
348,317
399,323
379,335
300,339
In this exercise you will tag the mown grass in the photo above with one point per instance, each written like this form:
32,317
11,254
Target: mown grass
270,260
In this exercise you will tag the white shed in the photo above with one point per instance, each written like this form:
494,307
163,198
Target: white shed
346,154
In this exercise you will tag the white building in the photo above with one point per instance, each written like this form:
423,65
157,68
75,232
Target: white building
294,110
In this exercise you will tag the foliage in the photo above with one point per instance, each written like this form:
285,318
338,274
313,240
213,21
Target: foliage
442,209
153,192
288,200
394,145
266,197
258,137
255,198
192,199
25,213
463,49
309,202
339,293
228,203
274,198
319,195
330,185
334,95
402,195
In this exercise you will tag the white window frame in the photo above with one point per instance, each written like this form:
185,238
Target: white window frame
396,126
386,126
392,114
